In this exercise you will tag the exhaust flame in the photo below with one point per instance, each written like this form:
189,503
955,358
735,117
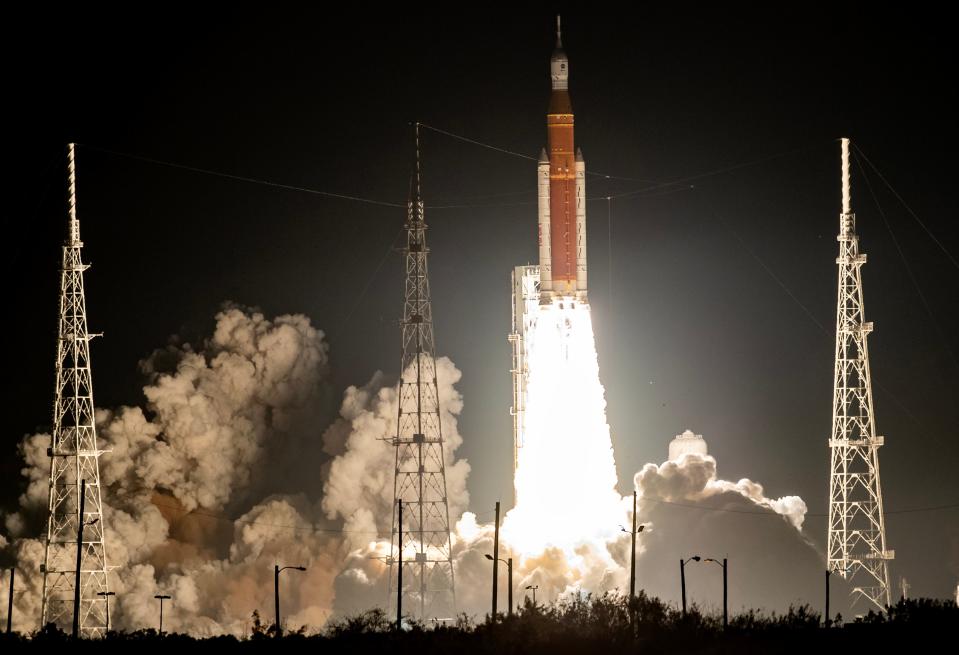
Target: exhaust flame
565,476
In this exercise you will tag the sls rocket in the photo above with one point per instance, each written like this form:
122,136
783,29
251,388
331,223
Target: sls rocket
561,175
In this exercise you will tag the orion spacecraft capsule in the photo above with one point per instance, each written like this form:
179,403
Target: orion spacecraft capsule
561,175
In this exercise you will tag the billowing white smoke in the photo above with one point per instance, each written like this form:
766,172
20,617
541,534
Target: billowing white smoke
220,422
232,429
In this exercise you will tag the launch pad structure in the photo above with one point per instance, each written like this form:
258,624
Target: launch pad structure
525,285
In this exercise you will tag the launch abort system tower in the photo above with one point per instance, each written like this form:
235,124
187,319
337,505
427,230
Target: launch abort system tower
74,458
857,531
420,471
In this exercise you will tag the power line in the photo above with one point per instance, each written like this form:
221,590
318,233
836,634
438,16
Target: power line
521,155
908,208
252,180
905,263
479,143
782,285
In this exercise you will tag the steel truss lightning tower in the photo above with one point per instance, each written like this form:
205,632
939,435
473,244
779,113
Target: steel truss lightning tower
420,470
74,456
857,531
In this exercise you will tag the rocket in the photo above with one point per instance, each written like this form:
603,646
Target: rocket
561,175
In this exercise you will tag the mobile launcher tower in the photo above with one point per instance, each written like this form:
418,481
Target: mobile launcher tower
560,276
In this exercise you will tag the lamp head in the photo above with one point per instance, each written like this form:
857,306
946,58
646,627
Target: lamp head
489,557
696,558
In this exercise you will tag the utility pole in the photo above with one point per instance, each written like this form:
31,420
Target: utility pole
277,569
725,595
632,554
13,572
399,574
857,531
495,560
682,577
682,583
161,598
828,621
76,585
509,567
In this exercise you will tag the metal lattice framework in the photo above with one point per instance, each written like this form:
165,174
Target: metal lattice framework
74,456
857,532
420,471
525,283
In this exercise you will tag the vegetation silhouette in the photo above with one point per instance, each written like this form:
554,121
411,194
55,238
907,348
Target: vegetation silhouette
584,623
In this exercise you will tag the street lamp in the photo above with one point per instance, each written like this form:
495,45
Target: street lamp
13,573
722,564
828,573
509,567
276,592
682,576
161,598
632,551
106,596
534,587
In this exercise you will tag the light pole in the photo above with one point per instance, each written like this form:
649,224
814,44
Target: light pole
828,573
509,567
161,598
725,595
106,596
276,592
495,558
13,572
534,587
682,577
399,570
632,551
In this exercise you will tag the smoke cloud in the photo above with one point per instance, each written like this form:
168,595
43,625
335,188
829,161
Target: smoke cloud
226,470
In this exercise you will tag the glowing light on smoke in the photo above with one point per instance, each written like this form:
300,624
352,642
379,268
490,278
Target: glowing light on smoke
566,476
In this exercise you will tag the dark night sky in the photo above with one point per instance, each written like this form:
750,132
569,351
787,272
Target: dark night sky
693,330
